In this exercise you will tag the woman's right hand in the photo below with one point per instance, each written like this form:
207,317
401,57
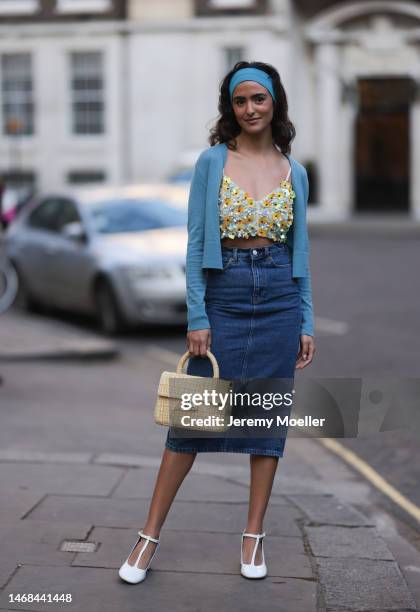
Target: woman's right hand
198,341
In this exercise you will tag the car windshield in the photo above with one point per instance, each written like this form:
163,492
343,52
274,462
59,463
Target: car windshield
134,215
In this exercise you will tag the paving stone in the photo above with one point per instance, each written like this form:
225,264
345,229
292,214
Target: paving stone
320,461
7,567
408,557
360,542
228,471
17,503
101,590
289,485
139,483
43,457
216,467
128,459
350,492
280,520
39,541
186,516
364,585
328,510
70,479
216,553
291,465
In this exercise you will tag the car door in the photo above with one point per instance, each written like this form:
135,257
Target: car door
35,248
73,265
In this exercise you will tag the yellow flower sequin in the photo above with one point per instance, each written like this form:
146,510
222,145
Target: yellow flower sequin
242,216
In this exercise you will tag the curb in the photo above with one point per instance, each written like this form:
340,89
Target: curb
354,567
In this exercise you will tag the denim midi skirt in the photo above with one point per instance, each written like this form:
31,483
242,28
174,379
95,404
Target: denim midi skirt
253,305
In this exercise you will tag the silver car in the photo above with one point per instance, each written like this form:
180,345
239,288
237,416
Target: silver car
118,253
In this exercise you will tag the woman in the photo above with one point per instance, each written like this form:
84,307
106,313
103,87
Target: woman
253,308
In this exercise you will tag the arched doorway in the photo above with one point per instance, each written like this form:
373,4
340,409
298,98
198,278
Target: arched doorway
382,145
365,82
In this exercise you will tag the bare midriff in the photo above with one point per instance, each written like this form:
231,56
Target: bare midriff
245,243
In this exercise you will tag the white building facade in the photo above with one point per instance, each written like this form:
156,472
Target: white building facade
118,99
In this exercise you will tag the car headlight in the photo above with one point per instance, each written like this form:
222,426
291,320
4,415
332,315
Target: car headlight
140,273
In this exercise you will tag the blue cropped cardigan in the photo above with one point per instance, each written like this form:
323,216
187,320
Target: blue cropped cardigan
204,243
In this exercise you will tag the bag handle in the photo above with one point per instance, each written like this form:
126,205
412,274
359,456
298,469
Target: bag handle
186,356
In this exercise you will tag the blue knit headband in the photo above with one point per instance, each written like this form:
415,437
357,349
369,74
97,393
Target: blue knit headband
252,74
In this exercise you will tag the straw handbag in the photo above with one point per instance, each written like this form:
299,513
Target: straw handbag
173,386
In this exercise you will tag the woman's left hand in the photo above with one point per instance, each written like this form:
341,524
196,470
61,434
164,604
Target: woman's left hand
306,353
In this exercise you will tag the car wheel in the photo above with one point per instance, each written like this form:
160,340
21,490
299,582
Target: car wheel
108,312
8,284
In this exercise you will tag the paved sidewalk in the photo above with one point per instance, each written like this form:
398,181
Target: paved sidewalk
69,521
25,337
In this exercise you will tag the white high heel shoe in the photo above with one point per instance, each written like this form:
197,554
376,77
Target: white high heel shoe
132,573
250,570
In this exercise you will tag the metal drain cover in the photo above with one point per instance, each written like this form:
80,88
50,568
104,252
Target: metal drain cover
78,547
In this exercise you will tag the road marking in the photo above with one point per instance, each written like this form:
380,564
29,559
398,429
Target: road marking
323,324
372,475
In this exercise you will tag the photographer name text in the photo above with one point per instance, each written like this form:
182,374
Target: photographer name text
219,421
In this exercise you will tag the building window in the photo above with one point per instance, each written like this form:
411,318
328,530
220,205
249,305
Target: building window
17,94
85,177
19,179
232,4
87,90
232,56
18,7
233,7
83,6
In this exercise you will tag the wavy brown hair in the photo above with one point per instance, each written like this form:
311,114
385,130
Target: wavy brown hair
227,128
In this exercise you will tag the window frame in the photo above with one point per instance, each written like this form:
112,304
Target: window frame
75,99
231,50
25,96
100,177
204,8
71,7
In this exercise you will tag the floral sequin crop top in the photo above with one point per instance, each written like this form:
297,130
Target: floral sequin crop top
241,216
